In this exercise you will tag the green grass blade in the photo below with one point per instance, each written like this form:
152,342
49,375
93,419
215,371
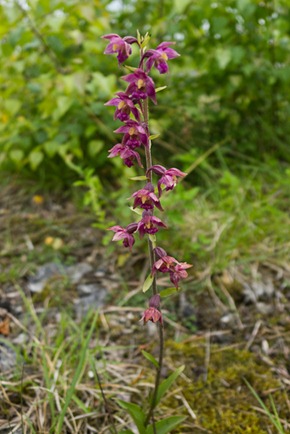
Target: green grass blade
273,418
76,377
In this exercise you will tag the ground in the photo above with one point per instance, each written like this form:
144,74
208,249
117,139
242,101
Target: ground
69,319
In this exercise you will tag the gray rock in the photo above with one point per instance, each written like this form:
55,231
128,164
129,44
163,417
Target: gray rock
93,297
44,273
7,358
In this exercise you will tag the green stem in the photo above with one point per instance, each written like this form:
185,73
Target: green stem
157,378
148,156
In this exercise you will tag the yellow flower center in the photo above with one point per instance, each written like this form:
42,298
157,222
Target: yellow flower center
143,199
164,56
140,83
115,47
132,131
121,105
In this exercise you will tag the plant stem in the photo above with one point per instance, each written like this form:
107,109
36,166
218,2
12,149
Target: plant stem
148,156
158,375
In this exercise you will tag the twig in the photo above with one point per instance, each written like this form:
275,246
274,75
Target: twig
254,334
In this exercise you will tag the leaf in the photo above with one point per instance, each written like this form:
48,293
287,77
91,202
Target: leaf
166,384
181,5
126,431
139,178
131,68
136,210
16,155
223,57
95,146
164,426
35,158
12,106
151,359
51,148
63,105
159,89
168,291
148,282
154,136
136,413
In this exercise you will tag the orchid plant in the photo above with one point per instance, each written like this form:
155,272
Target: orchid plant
132,109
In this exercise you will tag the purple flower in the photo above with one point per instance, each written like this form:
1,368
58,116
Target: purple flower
124,234
178,272
126,153
160,56
168,264
146,199
164,264
119,45
135,134
153,313
149,224
168,177
125,106
154,301
140,86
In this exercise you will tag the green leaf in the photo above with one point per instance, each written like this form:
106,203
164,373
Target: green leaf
223,57
168,291
139,178
131,68
136,413
126,431
16,155
148,282
159,89
164,426
166,384
151,359
136,210
63,105
95,146
181,5
154,136
35,158
51,148
12,106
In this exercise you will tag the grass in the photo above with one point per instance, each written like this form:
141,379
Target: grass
237,228
272,415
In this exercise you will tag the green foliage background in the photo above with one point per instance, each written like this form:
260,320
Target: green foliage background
230,85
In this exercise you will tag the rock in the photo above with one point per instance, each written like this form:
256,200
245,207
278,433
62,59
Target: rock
76,272
7,357
38,282
93,297
44,273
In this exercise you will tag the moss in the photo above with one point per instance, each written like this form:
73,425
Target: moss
222,401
